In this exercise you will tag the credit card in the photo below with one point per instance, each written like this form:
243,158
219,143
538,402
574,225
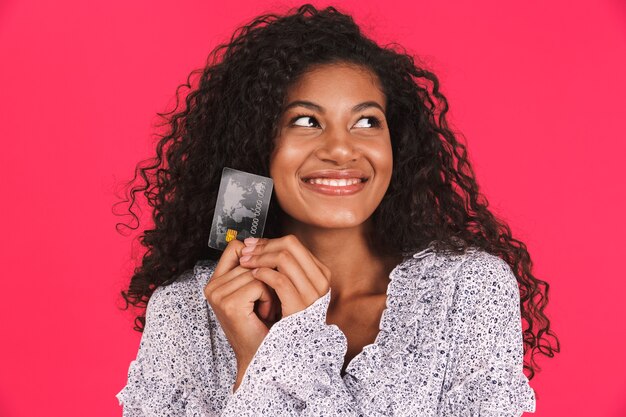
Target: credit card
241,208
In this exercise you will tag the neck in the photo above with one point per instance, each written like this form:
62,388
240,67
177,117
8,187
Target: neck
356,267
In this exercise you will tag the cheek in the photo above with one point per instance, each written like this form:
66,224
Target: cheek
284,164
382,158
289,154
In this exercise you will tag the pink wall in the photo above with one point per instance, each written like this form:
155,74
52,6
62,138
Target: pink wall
537,88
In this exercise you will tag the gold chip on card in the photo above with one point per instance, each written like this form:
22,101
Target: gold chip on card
230,235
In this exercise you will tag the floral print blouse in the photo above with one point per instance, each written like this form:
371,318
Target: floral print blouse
450,345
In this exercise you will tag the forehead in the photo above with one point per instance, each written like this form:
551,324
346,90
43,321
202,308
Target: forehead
331,81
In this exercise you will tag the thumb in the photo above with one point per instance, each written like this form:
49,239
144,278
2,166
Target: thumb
265,303
230,257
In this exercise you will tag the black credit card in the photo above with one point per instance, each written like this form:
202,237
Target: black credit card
241,208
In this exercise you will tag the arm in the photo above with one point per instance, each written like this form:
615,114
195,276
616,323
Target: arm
486,371
179,373
296,370
182,368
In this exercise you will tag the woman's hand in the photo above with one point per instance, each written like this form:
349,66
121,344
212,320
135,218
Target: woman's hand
288,267
232,292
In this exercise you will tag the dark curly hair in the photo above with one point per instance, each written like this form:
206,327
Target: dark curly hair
231,117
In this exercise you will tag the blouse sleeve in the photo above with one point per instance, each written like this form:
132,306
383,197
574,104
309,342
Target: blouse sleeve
175,371
296,370
487,366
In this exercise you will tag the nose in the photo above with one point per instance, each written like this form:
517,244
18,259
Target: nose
337,145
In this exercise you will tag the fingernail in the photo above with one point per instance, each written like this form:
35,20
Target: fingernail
245,258
247,249
250,240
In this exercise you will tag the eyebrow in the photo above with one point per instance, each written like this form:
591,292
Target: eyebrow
316,107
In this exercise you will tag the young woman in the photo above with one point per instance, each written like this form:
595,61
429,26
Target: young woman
384,286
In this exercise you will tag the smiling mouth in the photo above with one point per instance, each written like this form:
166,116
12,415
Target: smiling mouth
336,187
334,182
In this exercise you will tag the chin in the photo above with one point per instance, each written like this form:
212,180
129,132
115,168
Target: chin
345,221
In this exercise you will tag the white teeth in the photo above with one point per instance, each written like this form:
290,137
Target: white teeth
341,182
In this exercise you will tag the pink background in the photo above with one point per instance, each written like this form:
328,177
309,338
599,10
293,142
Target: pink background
537,88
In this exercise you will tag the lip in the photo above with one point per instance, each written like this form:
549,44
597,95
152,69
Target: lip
336,173
335,191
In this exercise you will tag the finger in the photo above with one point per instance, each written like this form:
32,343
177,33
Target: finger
290,298
243,298
286,264
220,294
274,306
317,272
230,257
234,284
217,281
302,254
325,270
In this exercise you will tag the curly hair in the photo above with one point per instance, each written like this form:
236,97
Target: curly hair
230,119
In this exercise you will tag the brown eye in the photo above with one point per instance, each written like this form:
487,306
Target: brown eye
297,121
373,122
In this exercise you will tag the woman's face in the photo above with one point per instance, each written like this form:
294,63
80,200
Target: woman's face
332,160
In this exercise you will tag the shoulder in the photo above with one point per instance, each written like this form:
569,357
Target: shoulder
183,294
203,270
473,266
188,282
177,311
474,275
486,274
484,287
180,288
